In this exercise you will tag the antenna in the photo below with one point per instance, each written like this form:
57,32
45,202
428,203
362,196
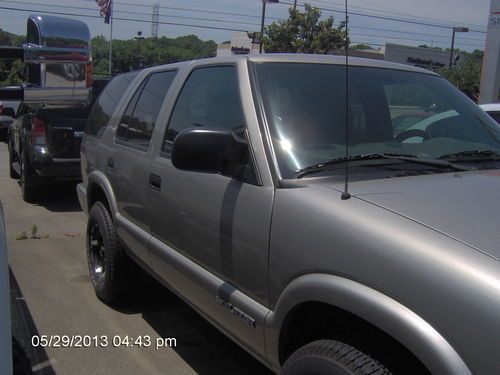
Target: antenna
345,194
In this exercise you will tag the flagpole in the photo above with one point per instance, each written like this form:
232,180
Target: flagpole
111,40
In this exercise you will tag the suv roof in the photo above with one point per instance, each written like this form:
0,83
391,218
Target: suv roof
305,58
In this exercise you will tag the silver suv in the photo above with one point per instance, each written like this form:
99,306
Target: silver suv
229,180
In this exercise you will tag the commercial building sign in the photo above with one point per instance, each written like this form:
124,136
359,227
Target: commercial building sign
490,80
426,64
495,20
426,58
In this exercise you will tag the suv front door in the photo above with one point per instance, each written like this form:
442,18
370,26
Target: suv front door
218,222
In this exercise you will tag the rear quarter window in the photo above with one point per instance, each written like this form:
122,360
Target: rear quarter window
496,116
106,103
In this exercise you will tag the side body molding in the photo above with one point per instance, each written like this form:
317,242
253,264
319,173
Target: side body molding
374,307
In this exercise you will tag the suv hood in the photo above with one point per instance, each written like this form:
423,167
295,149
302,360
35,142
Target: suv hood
465,206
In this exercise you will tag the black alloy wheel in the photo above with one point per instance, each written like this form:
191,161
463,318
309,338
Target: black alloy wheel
113,274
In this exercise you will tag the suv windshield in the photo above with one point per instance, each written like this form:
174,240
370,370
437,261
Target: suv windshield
390,112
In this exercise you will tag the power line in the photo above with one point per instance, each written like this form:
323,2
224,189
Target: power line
201,19
123,19
128,12
387,11
302,5
216,20
198,10
385,18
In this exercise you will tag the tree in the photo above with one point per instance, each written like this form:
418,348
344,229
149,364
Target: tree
466,75
362,47
426,46
304,32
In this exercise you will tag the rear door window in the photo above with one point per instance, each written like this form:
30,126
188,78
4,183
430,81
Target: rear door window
106,103
141,114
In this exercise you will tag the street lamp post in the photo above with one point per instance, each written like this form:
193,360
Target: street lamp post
456,30
264,2
139,37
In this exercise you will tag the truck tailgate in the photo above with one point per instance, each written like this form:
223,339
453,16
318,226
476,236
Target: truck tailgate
64,134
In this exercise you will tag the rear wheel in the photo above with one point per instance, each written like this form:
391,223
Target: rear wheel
112,272
12,172
329,357
27,180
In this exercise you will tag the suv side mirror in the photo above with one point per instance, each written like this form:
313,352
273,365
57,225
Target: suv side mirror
208,150
9,112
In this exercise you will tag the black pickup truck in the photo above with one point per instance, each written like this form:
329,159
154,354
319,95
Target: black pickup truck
44,139
44,144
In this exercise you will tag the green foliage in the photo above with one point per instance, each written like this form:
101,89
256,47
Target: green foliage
362,47
11,72
127,54
466,75
304,32
34,231
22,236
131,54
426,46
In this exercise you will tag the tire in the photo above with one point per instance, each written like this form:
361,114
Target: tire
27,180
20,362
12,171
329,357
112,272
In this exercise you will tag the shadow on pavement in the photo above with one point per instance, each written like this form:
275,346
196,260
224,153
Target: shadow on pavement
24,328
206,350
60,197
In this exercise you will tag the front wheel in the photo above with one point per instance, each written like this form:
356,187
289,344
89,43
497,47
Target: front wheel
112,272
330,357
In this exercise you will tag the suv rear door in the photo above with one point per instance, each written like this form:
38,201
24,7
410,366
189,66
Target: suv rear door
219,222
128,161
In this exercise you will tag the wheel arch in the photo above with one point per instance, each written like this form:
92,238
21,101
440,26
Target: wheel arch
99,189
367,305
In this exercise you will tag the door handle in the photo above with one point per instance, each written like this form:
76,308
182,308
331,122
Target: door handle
155,181
111,163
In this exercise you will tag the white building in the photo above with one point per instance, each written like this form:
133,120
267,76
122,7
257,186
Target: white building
241,44
427,58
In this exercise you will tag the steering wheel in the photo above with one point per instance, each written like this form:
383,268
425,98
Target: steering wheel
412,133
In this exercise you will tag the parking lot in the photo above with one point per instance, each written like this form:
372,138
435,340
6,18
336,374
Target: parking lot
54,297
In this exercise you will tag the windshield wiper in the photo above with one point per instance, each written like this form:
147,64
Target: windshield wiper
444,164
472,155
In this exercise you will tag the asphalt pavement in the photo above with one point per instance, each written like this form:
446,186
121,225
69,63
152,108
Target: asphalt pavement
54,300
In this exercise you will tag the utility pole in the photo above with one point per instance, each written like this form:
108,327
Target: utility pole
262,24
264,2
139,37
155,21
295,5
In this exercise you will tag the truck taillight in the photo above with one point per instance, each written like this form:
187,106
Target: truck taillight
1,109
88,75
37,131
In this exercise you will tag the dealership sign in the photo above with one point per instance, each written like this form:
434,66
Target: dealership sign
495,20
490,77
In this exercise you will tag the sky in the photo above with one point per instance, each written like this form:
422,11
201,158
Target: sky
370,21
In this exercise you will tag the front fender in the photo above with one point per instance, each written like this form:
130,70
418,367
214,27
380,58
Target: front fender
374,307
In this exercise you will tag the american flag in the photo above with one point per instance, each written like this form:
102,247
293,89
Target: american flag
105,6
